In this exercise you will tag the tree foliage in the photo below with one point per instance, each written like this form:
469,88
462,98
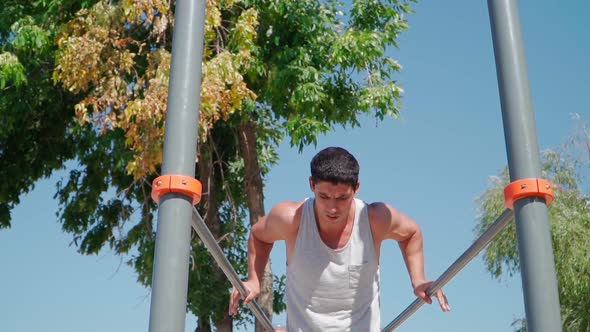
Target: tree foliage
567,168
324,68
35,113
93,77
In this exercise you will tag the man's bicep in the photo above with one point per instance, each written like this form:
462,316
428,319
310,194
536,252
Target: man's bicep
405,227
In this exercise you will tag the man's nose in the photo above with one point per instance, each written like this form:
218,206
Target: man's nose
332,205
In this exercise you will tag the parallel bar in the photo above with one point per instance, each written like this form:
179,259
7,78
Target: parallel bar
537,266
170,273
482,241
206,236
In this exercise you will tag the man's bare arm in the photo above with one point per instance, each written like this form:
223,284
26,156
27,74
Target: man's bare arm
263,234
397,226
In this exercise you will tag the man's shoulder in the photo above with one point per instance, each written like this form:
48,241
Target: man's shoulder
287,216
288,204
287,210
378,209
381,215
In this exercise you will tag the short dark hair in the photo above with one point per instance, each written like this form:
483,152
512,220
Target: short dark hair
336,165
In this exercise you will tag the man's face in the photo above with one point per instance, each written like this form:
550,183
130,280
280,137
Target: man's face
332,201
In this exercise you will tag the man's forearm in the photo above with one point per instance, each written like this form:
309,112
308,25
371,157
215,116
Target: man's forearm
258,253
413,253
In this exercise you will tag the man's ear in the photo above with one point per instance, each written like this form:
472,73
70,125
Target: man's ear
311,185
358,185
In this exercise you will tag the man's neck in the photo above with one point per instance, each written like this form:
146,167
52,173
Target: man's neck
336,236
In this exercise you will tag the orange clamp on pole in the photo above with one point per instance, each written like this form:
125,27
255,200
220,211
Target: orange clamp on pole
181,184
526,188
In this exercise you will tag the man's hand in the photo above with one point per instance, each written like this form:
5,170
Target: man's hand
253,287
420,291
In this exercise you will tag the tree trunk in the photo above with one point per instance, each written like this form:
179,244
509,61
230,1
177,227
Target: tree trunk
203,325
211,218
255,197
225,324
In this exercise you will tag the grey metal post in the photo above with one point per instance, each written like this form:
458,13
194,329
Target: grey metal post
171,261
532,223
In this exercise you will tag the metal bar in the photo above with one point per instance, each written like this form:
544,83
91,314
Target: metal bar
482,241
537,264
171,258
206,236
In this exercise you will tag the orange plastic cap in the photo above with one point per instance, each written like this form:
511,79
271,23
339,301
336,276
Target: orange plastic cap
181,184
526,188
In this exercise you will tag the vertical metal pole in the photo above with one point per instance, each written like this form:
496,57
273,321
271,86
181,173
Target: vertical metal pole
171,260
532,223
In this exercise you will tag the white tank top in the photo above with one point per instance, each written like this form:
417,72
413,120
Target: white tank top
333,289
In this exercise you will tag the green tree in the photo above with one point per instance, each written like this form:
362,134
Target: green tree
569,213
35,113
271,69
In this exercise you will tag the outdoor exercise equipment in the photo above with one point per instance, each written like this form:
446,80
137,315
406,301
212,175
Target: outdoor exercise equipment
527,194
177,190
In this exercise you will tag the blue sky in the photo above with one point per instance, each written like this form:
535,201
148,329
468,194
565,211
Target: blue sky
431,164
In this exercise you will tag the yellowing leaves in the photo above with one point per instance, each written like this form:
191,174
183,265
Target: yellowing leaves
212,24
244,35
222,91
144,11
144,117
116,56
78,64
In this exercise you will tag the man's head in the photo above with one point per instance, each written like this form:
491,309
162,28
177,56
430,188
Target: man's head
335,165
334,181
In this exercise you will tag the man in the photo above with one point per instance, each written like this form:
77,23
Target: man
333,245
